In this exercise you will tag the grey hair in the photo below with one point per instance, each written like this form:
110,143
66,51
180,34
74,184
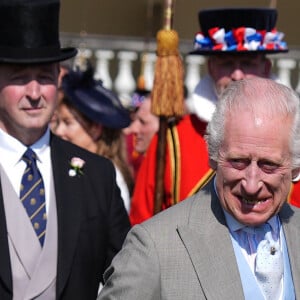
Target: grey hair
255,95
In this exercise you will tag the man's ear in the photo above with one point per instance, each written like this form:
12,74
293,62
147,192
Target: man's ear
296,174
213,164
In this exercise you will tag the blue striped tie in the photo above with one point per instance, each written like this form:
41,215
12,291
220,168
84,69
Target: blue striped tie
32,195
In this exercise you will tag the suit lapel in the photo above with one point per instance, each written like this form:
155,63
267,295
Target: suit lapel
5,269
69,194
210,248
291,227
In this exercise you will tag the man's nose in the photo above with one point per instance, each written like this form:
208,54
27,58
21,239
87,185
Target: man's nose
237,73
33,90
252,180
135,127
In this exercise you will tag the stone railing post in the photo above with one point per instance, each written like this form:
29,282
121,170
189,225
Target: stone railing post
102,67
285,66
149,60
297,88
125,81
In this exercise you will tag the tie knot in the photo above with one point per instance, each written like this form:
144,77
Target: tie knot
264,228
261,231
258,230
257,234
29,156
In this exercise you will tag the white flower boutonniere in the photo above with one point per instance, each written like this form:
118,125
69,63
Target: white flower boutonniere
77,165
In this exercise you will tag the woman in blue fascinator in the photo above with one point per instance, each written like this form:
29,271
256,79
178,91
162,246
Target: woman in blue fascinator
93,117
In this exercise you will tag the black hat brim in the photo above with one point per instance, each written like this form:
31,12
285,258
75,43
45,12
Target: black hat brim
32,58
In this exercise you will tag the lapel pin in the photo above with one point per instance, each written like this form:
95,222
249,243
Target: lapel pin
76,165
272,250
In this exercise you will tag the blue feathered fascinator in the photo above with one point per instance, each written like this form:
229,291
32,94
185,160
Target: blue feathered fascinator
93,100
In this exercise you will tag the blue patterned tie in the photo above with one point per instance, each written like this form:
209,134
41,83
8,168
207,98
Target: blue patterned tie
32,195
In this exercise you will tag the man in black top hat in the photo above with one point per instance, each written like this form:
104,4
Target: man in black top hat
57,240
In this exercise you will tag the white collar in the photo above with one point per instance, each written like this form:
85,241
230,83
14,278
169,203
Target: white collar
202,102
12,149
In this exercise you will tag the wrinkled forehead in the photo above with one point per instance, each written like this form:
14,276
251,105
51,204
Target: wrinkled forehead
257,115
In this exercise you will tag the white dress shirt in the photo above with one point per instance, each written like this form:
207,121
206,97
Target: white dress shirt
12,151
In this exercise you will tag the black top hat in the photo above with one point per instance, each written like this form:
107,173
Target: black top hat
238,30
29,32
95,102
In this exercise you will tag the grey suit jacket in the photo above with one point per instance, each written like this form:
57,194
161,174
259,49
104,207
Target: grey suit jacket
186,253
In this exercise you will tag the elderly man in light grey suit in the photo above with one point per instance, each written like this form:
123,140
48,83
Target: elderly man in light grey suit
211,246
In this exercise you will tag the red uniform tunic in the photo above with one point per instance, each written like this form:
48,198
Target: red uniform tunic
294,196
186,169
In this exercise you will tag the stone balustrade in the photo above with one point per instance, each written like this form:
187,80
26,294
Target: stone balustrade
118,62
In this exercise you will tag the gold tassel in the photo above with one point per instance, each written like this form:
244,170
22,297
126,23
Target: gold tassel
168,93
